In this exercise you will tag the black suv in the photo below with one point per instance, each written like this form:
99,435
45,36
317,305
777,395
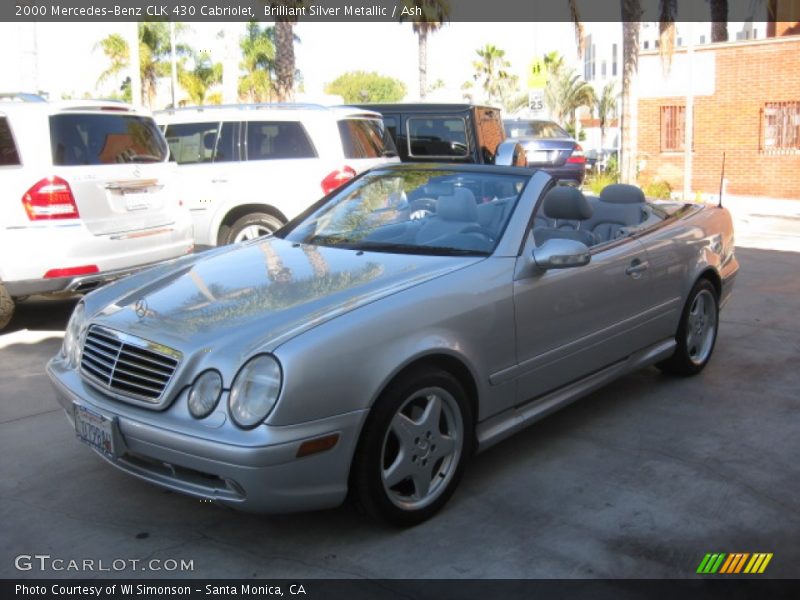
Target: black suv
460,133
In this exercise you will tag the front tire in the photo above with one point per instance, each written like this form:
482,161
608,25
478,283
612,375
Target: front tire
697,332
6,307
414,448
249,227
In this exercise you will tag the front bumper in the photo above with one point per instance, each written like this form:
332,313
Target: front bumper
265,478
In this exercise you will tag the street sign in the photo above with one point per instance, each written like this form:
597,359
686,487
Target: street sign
537,74
536,102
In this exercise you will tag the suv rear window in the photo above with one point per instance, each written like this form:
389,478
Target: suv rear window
279,139
365,138
437,136
8,150
191,143
104,139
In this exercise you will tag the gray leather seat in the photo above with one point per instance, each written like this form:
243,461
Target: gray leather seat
453,213
565,207
620,206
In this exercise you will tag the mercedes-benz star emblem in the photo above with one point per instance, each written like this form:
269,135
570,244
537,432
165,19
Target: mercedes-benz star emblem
140,308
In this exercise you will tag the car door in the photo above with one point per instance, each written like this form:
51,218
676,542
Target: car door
575,321
206,152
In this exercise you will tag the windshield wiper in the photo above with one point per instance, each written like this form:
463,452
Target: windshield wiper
415,249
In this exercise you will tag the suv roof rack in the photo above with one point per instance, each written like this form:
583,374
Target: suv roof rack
244,106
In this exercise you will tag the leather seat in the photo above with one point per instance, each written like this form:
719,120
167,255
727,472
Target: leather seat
453,213
620,206
561,204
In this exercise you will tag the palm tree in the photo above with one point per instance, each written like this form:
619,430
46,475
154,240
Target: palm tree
491,68
565,93
197,81
116,49
432,16
154,56
719,20
284,51
258,62
606,106
631,17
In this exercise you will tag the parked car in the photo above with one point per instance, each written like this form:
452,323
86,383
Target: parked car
550,148
451,133
368,348
86,195
247,169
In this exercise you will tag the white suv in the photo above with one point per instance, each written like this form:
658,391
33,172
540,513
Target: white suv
247,169
86,195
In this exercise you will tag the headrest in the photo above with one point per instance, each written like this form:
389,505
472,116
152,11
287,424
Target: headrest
565,202
460,206
622,193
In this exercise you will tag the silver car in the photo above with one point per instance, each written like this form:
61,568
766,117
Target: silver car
414,316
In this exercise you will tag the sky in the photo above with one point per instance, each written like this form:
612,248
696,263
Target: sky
69,62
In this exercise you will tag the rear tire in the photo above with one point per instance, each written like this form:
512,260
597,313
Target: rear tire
6,307
697,332
414,447
249,227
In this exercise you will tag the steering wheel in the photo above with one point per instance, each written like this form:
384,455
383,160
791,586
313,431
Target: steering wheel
480,230
421,208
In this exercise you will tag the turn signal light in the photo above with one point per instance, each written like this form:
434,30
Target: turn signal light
577,157
317,445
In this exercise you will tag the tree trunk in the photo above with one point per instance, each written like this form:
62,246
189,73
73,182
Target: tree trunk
422,35
631,14
284,60
719,18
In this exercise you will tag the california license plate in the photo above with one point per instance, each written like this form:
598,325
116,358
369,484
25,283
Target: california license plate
538,156
94,429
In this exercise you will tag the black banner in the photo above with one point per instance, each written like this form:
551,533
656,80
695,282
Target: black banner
395,589
357,10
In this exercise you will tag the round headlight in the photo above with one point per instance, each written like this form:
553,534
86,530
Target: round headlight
71,349
255,391
204,395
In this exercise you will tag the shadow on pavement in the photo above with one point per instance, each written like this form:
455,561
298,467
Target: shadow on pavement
41,314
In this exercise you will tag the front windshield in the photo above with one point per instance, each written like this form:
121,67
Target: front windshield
421,211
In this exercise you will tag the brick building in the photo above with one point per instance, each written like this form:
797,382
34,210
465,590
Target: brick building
746,103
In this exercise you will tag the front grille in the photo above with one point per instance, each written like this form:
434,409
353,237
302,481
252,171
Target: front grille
128,366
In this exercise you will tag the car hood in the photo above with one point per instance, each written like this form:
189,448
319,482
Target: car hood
259,294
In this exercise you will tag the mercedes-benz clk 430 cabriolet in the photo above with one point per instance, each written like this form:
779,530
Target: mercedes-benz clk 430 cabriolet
371,346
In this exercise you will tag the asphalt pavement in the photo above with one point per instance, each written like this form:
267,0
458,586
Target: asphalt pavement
640,479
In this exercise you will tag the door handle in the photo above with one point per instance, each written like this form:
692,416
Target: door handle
219,181
636,268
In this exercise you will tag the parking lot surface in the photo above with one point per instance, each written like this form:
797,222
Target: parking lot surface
640,479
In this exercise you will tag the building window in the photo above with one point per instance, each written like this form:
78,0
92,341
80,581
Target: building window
613,60
587,58
646,45
673,128
702,39
781,127
603,69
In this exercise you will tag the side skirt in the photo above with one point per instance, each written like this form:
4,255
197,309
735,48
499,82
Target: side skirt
509,422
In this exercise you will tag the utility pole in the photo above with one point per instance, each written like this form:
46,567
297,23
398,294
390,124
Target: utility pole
134,67
174,61
688,126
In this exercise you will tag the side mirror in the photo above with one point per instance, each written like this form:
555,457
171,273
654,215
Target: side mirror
511,153
561,254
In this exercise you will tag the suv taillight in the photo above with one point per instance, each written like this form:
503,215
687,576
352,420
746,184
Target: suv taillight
577,156
50,198
336,178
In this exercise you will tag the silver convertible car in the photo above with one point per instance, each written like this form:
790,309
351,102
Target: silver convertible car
410,318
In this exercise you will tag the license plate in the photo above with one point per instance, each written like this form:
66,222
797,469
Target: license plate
538,157
136,201
94,429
